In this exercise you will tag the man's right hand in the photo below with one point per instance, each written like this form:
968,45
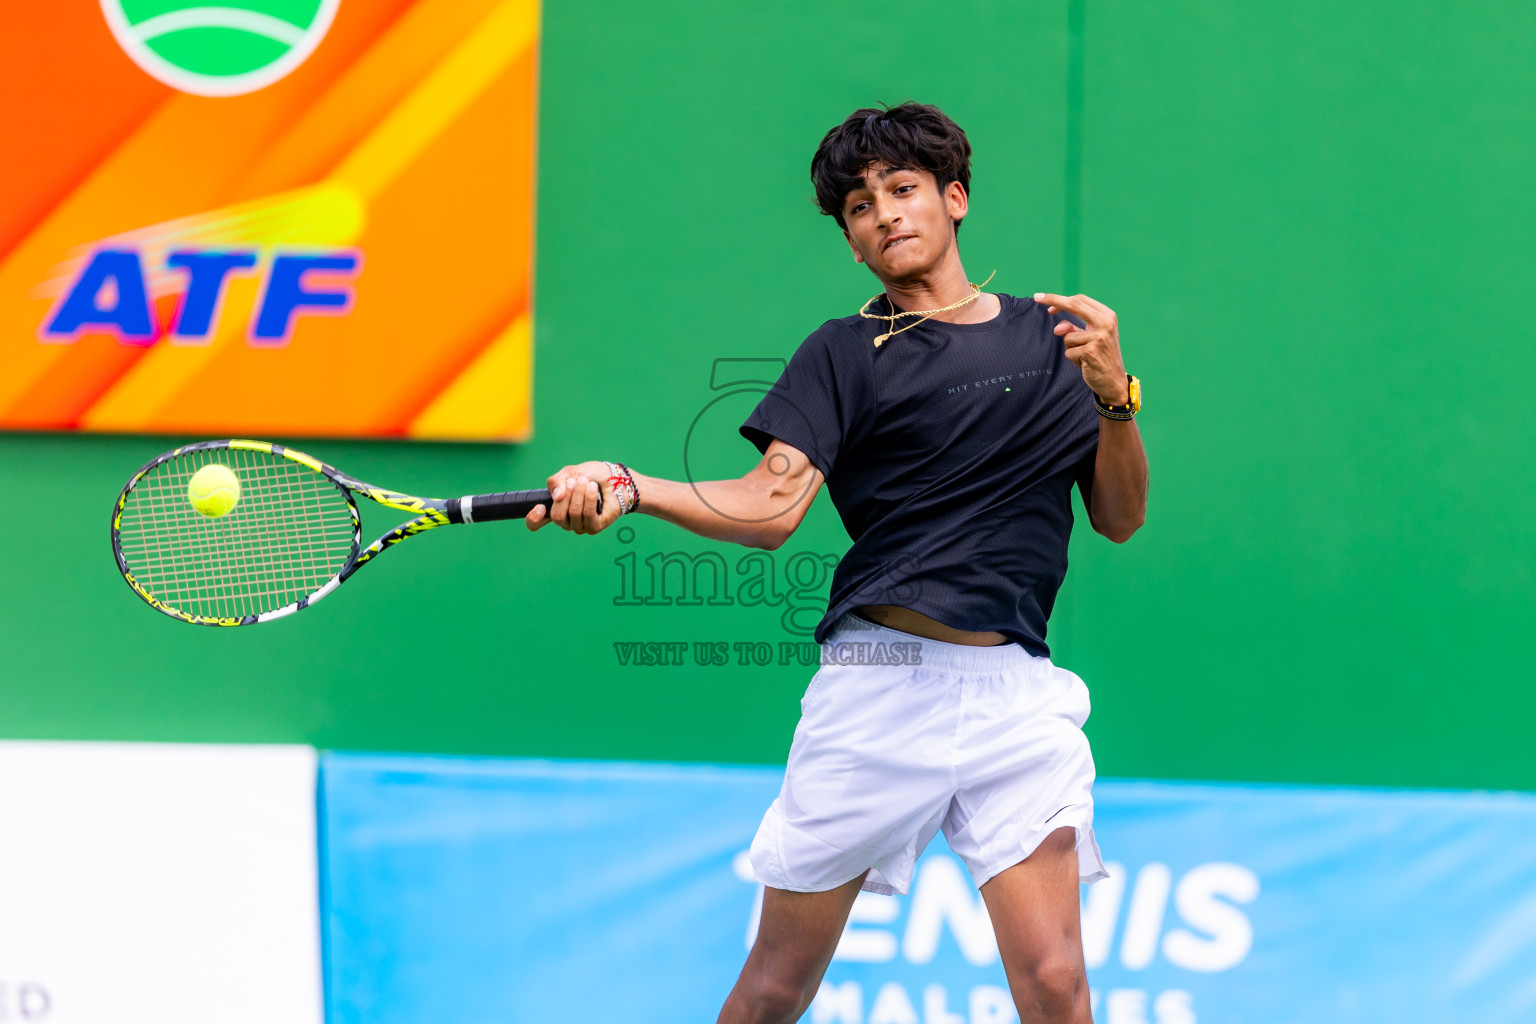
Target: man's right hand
575,490
758,510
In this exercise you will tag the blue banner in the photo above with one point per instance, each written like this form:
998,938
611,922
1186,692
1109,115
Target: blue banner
468,890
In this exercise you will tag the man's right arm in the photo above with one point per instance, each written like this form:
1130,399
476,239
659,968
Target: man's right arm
759,510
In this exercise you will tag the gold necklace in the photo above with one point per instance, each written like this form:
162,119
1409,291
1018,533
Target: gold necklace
924,313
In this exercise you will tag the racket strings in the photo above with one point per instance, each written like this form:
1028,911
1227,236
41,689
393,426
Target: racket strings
291,531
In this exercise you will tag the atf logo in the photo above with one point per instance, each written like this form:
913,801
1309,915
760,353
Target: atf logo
220,50
112,293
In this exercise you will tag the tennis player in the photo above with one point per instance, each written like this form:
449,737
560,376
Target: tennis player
949,425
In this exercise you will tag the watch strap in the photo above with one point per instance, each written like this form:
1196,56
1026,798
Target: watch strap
1121,412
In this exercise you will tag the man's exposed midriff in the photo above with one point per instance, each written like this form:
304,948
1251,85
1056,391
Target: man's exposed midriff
908,621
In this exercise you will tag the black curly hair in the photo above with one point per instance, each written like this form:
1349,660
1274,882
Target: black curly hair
912,136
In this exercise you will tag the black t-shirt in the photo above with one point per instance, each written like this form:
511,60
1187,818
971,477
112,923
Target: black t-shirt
950,452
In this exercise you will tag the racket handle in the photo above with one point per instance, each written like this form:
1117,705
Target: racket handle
485,508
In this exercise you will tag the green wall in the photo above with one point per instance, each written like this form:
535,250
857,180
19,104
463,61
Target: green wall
1313,222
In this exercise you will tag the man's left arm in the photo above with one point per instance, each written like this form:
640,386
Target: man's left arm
1117,504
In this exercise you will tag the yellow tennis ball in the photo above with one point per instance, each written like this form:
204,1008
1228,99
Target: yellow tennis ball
214,490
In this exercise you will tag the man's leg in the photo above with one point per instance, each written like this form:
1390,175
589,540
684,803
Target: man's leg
795,942
1034,909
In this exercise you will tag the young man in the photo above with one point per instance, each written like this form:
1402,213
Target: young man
949,425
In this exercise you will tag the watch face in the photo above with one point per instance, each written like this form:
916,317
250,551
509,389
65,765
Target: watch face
1135,389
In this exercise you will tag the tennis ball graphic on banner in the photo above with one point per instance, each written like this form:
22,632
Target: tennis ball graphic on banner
219,50
214,490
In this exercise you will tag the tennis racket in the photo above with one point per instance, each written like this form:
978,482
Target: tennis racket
293,536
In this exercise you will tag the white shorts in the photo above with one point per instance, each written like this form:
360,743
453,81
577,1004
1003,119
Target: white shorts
984,742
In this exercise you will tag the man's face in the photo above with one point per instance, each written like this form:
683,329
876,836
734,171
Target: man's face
899,223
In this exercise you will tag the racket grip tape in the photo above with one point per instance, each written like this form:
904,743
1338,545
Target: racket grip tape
485,508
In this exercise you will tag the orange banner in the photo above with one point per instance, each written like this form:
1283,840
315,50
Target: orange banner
287,218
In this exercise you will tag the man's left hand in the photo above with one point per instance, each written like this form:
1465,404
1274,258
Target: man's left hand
1096,349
